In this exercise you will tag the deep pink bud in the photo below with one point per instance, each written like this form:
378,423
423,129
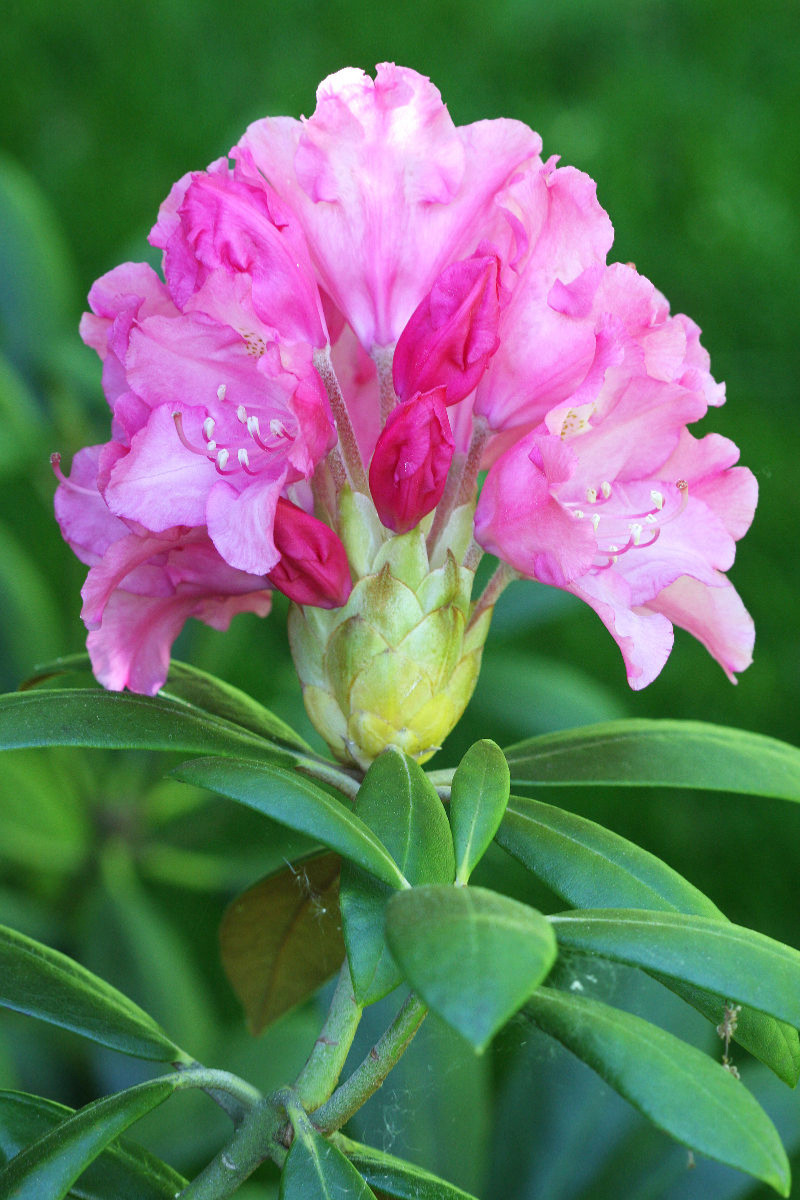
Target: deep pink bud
452,334
411,460
313,567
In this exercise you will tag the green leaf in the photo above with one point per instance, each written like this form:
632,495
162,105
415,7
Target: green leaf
281,939
401,806
678,1088
123,1171
291,800
591,867
400,1179
478,799
651,753
316,1170
198,688
42,983
123,721
717,955
49,1166
473,955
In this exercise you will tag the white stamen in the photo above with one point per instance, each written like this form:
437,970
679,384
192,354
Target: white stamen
657,499
651,519
605,488
211,448
222,459
591,495
595,520
241,413
208,428
580,514
277,428
636,533
253,427
244,460
222,391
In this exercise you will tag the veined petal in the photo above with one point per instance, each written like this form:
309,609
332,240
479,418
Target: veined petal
388,190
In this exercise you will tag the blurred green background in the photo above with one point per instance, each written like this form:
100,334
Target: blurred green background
688,116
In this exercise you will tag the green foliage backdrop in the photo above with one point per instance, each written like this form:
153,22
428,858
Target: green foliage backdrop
688,115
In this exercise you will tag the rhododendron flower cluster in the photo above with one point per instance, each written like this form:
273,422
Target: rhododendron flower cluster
359,313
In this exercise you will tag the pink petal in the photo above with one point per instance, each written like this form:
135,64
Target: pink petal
240,523
714,615
387,189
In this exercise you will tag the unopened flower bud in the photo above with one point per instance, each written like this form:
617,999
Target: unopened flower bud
411,460
313,566
452,334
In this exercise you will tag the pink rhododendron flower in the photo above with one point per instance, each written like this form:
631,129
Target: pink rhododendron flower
376,301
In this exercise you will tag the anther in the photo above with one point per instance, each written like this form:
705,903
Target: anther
222,460
595,518
208,428
241,413
636,533
591,495
222,391
605,488
244,462
657,498
277,428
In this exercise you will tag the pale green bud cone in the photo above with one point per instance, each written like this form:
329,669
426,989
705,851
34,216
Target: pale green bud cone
397,664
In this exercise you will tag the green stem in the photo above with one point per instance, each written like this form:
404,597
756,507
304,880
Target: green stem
320,1075
233,1094
368,1077
502,577
339,777
254,1140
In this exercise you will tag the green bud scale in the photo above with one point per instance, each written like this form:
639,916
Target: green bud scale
397,664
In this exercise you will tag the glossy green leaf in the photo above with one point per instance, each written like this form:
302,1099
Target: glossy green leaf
399,1179
316,1170
401,806
198,688
654,753
123,721
49,1166
591,867
43,983
717,955
473,955
680,1089
478,799
292,800
281,939
124,1171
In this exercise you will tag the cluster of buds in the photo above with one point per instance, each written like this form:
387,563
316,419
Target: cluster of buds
360,314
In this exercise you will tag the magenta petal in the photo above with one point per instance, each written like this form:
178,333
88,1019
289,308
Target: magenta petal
519,520
240,523
160,483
